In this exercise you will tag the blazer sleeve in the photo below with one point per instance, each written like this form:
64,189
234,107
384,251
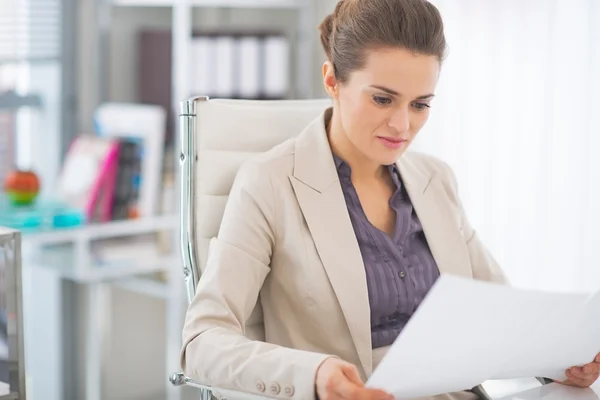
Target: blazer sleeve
484,265
215,351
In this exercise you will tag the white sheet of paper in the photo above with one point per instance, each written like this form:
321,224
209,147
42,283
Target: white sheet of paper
460,336
580,344
551,347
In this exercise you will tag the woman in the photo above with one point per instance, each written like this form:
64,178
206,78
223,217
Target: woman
339,234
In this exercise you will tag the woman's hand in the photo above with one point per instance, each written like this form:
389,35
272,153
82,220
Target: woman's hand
585,376
339,380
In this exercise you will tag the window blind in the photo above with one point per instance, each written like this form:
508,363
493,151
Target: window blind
30,30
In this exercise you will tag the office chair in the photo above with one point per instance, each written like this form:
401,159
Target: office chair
216,137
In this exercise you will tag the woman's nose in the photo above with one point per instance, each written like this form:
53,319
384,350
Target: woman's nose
400,120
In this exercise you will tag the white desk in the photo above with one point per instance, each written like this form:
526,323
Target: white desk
4,389
555,391
50,301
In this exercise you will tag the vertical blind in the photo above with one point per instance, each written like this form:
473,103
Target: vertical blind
30,30
516,116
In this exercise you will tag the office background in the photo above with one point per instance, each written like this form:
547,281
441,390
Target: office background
516,116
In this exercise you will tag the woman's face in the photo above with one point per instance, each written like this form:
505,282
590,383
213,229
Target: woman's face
382,107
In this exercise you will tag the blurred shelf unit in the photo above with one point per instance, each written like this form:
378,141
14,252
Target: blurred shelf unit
145,285
213,3
173,62
105,252
233,64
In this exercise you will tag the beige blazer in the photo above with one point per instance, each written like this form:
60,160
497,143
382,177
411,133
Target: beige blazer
286,240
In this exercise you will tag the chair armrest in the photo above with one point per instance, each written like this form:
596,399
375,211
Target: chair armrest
211,393
483,391
179,379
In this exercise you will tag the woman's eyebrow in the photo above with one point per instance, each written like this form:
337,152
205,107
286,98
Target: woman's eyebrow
394,93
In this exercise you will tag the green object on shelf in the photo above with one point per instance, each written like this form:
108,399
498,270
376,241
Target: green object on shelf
21,198
41,215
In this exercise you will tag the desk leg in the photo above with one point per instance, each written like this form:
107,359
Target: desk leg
174,317
96,330
43,331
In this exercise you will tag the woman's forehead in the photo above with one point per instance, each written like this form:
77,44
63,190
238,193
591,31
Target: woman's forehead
400,70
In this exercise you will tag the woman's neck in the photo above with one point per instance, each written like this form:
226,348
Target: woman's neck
363,169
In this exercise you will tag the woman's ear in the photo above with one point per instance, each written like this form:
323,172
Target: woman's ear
329,81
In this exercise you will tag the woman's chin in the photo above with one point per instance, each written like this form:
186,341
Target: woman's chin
390,157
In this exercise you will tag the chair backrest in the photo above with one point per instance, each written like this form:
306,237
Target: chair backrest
216,137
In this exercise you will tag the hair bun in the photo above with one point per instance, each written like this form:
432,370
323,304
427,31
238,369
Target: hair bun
326,29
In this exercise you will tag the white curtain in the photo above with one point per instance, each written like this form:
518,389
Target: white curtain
517,116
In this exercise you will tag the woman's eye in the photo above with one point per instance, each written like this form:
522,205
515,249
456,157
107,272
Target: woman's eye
421,106
383,101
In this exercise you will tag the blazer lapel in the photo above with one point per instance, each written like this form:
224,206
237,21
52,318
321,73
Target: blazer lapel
437,218
323,206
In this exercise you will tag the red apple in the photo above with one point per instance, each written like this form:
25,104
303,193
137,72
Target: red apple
21,187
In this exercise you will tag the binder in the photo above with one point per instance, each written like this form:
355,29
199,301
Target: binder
202,55
250,65
276,67
224,63
224,66
241,65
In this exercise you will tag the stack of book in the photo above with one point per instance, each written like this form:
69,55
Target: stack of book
116,173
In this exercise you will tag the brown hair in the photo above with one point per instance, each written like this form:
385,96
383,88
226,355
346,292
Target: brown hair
356,26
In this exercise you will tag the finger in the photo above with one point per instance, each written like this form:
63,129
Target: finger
345,388
576,371
592,368
348,390
574,380
372,394
331,396
587,380
597,358
351,372
583,373
383,395
574,383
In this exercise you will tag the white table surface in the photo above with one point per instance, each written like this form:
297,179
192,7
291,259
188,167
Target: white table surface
4,389
555,391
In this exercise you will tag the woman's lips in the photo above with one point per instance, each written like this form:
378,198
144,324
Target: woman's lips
391,143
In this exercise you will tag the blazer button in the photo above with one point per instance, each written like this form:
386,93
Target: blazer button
289,390
275,389
260,386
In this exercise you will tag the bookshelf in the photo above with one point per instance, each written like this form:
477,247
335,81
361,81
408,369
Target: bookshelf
182,34
213,3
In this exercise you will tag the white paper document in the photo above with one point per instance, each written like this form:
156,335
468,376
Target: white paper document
466,332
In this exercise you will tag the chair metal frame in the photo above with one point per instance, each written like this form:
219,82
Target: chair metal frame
188,160
188,157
